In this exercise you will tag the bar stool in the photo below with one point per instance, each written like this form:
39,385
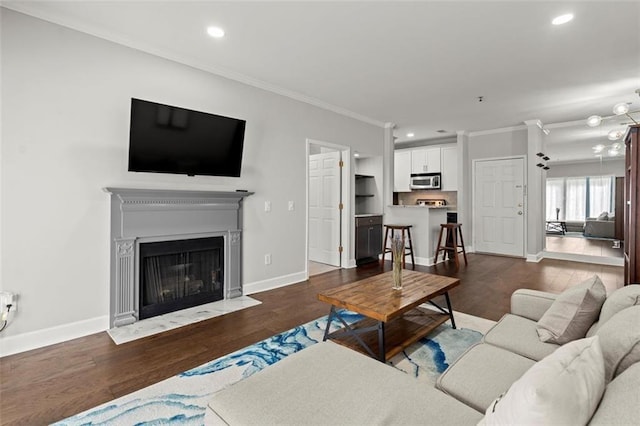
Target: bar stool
451,246
408,246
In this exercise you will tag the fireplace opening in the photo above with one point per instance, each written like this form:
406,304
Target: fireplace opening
180,274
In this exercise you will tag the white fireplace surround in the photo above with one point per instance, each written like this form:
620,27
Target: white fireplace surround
150,215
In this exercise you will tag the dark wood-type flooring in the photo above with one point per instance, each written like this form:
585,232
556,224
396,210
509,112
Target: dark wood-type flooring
49,384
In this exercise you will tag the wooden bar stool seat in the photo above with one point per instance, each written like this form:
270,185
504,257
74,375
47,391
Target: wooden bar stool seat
405,231
452,244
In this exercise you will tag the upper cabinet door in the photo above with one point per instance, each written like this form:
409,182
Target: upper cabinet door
401,171
450,168
425,160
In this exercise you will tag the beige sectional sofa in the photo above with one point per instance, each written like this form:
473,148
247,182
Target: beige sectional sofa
510,373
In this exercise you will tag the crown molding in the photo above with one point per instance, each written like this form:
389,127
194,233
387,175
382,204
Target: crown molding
595,160
77,25
499,130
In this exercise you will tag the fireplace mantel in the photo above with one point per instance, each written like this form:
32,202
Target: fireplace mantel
146,215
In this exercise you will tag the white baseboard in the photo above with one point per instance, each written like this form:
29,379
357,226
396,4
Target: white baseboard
598,260
351,264
272,283
50,336
535,257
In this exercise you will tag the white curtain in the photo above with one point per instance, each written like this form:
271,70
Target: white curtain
600,195
555,199
570,196
576,198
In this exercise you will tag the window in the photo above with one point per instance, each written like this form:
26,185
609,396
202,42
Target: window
576,198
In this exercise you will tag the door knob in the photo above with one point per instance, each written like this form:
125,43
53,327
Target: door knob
520,213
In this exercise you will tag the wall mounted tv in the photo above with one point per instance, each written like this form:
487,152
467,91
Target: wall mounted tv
168,139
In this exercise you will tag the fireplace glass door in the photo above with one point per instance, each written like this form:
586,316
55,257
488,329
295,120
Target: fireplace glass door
175,275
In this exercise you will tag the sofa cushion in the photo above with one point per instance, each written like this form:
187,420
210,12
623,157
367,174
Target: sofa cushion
620,341
329,384
531,304
573,312
518,334
620,299
620,404
563,388
482,373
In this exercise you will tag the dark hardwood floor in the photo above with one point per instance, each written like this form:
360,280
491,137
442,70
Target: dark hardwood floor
49,384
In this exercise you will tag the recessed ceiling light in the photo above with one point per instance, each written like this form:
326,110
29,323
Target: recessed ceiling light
215,32
410,135
562,19
441,131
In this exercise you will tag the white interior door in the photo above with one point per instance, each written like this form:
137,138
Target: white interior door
324,212
499,209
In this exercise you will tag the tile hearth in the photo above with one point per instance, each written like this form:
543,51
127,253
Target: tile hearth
170,321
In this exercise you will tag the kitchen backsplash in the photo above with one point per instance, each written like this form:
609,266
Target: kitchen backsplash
411,198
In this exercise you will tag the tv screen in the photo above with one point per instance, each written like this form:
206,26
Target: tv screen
168,139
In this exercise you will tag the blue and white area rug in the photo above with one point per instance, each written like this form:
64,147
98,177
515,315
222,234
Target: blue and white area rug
182,399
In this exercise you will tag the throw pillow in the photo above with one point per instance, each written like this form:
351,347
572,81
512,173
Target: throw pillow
620,341
603,216
618,300
573,312
562,388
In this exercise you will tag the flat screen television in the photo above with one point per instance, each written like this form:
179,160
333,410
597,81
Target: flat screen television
168,139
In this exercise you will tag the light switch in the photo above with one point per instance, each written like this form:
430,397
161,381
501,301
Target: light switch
267,206
292,206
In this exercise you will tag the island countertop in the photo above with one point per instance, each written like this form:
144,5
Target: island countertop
425,222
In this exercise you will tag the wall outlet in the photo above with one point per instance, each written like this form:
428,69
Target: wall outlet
7,298
267,206
267,259
292,206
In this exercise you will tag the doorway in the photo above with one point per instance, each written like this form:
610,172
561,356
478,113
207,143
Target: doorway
499,210
327,192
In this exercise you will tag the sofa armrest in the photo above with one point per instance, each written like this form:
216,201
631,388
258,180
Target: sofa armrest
531,304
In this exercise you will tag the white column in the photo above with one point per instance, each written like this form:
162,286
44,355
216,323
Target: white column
387,166
464,187
535,192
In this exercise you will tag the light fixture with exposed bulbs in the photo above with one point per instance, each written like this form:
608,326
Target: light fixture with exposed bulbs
594,121
613,150
621,108
614,135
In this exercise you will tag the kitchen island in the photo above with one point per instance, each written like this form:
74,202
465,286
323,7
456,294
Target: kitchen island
426,228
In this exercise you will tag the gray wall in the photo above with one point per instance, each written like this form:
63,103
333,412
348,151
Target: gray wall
65,125
484,146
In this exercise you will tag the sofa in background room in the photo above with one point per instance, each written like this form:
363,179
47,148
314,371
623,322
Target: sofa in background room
602,226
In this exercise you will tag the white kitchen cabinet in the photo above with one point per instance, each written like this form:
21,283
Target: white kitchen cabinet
449,168
425,160
401,171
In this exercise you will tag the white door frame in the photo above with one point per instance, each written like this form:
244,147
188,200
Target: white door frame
347,221
526,196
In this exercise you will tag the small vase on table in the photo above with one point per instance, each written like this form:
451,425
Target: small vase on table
397,251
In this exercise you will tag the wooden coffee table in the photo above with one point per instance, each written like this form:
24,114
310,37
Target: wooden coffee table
393,317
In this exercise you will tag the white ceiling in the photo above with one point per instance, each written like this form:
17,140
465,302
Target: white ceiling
420,65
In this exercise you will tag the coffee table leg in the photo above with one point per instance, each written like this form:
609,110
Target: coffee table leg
381,346
332,313
453,322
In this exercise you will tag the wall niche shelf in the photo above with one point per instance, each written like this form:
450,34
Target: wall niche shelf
363,179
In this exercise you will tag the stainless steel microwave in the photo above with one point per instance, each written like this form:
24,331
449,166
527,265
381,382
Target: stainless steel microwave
425,180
